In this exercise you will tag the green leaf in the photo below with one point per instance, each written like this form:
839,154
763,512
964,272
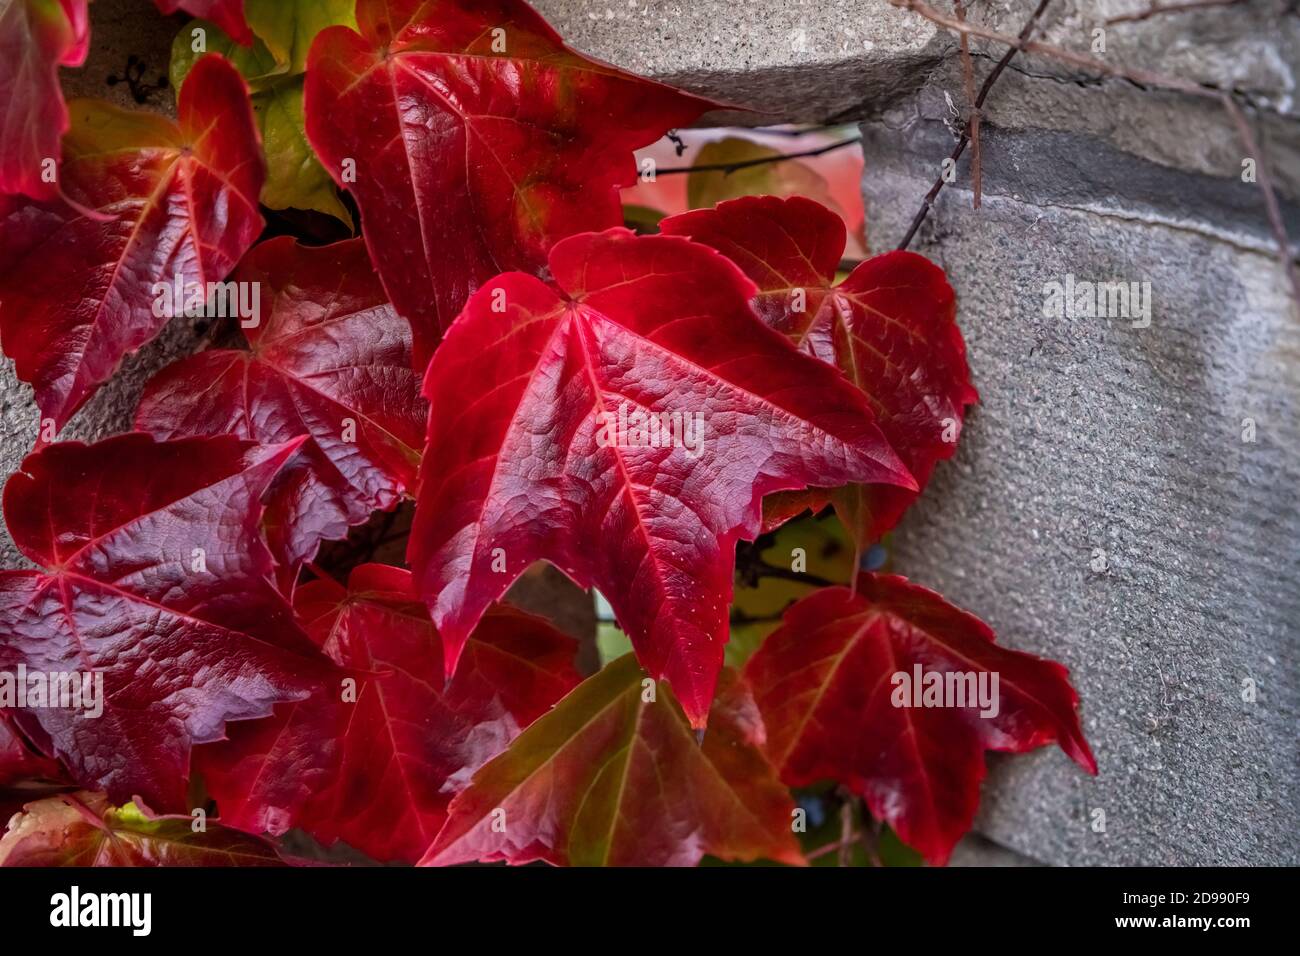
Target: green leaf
642,220
287,27
786,178
295,179
614,776
826,553
611,641
294,176
255,64
84,829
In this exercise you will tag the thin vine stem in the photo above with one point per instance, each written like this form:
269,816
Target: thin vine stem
728,168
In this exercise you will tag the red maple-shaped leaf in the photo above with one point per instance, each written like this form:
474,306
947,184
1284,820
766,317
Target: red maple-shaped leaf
156,602
847,694
227,14
613,776
377,771
328,358
84,829
36,38
472,139
170,202
889,326
635,419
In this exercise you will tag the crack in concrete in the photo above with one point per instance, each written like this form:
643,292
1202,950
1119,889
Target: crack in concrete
1258,100
1240,241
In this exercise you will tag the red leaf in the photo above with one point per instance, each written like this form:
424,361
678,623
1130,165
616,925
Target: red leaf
611,778
836,708
76,292
332,360
378,773
478,140
157,584
85,830
20,763
227,14
519,473
890,327
36,38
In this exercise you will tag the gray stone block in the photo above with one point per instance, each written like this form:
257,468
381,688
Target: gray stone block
977,850
1098,444
791,60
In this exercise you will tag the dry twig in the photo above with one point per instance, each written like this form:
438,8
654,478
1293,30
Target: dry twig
1265,179
973,114
1157,8
1145,78
830,847
1025,32
761,161
846,828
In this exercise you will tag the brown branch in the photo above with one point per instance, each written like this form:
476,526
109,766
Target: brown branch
218,328
870,839
830,847
973,114
765,570
751,568
1265,179
1158,8
846,828
1081,60
1141,78
761,161
1025,32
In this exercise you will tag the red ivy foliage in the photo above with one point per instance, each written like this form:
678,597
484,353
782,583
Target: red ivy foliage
155,580
633,325
330,360
19,761
378,770
472,139
890,327
825,682
86,830
227,14
145,201
36,38
628,408
660,797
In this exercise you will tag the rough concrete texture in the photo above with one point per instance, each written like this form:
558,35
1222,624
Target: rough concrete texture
788,59
975,850
1092,434
1102,445
1097,444
822,60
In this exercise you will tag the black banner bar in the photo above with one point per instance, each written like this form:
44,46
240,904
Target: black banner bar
540,905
